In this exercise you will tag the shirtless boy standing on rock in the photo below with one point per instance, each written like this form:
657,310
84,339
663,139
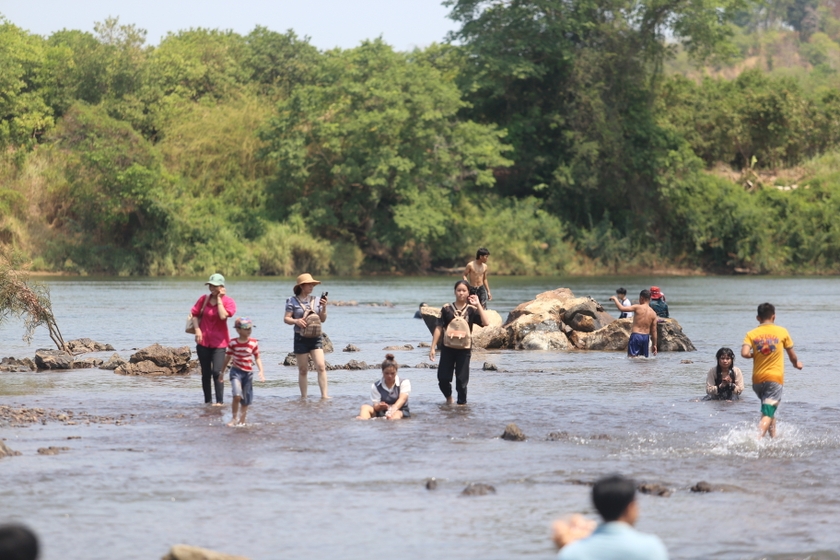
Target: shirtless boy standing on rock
644,325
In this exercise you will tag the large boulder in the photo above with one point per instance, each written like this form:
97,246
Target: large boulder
672,338
540,340
585,314
612,337
489,337
430,316
157,360
53,359
616,335
542,314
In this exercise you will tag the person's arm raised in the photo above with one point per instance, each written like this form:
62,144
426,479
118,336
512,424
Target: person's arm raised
621,307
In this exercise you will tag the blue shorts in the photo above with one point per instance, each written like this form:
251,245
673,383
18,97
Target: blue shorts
242,385
638,345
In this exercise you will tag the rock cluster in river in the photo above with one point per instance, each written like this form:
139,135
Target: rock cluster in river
158,360
24,416
558,320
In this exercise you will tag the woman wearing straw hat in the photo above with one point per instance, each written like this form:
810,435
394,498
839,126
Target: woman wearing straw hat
209,315
307,344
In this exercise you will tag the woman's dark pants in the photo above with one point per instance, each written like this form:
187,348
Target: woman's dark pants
457,361
211,360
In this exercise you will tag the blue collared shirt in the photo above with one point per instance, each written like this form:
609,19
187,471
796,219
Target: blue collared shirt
615,540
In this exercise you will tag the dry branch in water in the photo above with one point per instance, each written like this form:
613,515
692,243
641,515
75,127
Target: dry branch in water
30,302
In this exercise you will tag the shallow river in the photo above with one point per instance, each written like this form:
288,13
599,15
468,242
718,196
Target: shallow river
307,480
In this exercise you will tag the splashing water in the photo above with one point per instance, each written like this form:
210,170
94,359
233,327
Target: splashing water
791,441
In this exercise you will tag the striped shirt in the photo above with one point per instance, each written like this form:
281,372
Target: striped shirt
243,353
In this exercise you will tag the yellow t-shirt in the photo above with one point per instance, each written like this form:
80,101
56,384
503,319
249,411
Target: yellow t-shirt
768,343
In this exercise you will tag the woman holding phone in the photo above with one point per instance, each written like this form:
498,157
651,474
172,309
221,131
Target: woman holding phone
306,314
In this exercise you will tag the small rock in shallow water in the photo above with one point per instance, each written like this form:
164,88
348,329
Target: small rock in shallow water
556,436
424,345
478,489
6,452
431,483
702,486
404,347
351,348
52,450
187,552
655,489
513,433
489,366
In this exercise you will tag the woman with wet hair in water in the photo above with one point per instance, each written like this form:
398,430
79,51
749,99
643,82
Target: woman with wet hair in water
724,381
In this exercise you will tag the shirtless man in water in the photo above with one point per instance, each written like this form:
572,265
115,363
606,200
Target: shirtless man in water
644,325
476,276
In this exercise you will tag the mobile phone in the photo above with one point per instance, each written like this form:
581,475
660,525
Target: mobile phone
324,294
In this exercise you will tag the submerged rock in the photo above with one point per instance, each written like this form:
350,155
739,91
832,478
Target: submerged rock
489,366
513,433
51,450
13,364
431,483
351,348
187,552
478,489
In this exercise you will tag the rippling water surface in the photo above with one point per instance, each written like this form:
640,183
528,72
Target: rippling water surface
305,479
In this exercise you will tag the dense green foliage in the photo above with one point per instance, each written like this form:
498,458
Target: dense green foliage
567,136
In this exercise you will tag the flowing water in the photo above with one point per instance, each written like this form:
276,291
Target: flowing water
307,480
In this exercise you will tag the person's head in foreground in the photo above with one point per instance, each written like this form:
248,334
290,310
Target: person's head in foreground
614,497
17,543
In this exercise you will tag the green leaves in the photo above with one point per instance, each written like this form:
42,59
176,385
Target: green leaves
373,151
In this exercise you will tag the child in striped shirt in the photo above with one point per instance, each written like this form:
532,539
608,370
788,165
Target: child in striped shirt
242,351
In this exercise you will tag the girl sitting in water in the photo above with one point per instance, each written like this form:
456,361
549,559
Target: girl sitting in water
389,395
725,381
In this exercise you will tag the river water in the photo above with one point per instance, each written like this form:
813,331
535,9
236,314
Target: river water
307,480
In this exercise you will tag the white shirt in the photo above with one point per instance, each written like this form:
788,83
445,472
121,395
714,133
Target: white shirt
404,385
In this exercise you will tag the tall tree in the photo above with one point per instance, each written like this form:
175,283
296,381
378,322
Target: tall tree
573,81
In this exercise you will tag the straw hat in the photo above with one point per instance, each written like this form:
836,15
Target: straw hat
306,279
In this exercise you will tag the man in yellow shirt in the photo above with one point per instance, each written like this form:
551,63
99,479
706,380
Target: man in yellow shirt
764,346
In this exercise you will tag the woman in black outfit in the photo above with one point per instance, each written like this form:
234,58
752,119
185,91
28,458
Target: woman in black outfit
456,360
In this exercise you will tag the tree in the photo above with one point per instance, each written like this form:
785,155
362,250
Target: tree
573,82
373,152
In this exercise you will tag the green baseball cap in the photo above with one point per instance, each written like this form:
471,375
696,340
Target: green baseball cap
216,280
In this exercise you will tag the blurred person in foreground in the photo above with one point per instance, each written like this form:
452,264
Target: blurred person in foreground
17,543
615,539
